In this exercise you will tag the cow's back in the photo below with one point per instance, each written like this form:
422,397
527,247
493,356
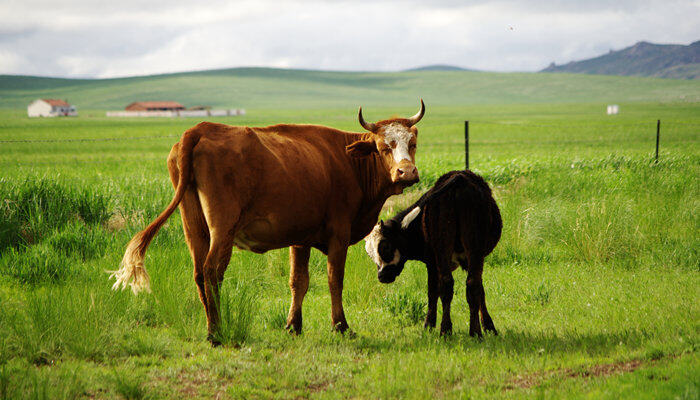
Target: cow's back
287,180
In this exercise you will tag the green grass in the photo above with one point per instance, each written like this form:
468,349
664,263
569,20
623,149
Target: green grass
299,89
594,286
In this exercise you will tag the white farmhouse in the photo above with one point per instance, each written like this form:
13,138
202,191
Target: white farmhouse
51,108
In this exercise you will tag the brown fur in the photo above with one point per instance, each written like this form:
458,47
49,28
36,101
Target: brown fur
263,188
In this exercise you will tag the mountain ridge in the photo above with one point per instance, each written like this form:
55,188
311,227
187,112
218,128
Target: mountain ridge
644,58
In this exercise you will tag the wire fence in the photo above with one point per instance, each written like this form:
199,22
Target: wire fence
589,125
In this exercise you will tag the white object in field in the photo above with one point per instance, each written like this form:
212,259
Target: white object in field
613,109
178,113
51,108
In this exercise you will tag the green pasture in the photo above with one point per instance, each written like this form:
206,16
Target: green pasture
272,88
594,287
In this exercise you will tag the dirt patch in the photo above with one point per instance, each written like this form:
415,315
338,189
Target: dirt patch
609,369
527,381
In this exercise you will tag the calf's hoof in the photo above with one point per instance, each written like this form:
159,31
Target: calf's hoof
445,329
429,322
476,333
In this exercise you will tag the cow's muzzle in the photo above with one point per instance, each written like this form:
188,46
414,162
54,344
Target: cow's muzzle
388,273
406,174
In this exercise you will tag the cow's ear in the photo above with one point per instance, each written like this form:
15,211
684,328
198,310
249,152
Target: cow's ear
361,148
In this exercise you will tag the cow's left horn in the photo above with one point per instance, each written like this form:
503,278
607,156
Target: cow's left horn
414,119
367,125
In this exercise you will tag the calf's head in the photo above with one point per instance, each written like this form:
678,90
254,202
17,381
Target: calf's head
395,141
385,244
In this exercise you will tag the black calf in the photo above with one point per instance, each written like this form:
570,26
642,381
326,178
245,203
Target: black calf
456,222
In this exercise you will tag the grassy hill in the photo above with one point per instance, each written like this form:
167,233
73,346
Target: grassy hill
289,89
642,59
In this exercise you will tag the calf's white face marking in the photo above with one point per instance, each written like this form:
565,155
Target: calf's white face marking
401,136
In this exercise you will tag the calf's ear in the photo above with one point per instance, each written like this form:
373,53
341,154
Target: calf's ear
361,148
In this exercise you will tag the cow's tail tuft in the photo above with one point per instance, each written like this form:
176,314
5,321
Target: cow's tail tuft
132,271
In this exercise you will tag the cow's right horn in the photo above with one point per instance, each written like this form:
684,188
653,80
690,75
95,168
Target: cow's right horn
367,125
414,119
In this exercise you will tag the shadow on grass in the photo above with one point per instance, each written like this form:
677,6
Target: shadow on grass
508,342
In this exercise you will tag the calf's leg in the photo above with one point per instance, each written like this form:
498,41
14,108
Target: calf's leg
298,284
475,292
446,292
433,294
476,298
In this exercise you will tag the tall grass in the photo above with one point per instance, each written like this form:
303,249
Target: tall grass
237,306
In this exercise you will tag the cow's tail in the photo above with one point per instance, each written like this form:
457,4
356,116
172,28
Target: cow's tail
132,271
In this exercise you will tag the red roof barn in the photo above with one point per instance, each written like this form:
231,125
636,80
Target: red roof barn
155,106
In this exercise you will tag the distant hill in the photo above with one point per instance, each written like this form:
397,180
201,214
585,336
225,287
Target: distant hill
439,67
642,59
272,88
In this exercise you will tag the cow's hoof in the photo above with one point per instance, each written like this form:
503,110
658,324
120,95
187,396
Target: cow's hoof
476,334
340,327
213,340
293,329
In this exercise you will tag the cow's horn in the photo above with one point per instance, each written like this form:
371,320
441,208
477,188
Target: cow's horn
367,125
414,119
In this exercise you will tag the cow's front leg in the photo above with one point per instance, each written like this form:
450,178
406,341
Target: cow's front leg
446,292
298,284
433,294
337,252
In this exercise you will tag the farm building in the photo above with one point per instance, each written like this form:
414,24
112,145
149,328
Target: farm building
51,108
155,106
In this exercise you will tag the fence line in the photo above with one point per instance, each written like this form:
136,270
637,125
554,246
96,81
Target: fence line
125,138
111,139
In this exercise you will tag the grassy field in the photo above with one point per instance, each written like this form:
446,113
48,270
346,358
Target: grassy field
298,89
594,287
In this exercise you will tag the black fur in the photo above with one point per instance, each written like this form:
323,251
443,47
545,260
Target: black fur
458,216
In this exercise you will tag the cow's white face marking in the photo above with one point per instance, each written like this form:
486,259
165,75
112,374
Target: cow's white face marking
406,221
372,248
400,135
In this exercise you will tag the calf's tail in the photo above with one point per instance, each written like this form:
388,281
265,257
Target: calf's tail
132,271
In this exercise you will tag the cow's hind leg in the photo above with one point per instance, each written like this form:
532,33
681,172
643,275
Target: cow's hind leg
193,224
214,268
197,237
298,284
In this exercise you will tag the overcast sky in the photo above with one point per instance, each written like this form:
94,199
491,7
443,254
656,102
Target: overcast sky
73,38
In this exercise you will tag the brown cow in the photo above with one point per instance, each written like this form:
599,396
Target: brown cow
297,186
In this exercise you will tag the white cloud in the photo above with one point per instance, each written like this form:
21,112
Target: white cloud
106,39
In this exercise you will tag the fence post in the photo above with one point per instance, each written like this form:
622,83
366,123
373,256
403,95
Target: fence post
658,133
466,143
